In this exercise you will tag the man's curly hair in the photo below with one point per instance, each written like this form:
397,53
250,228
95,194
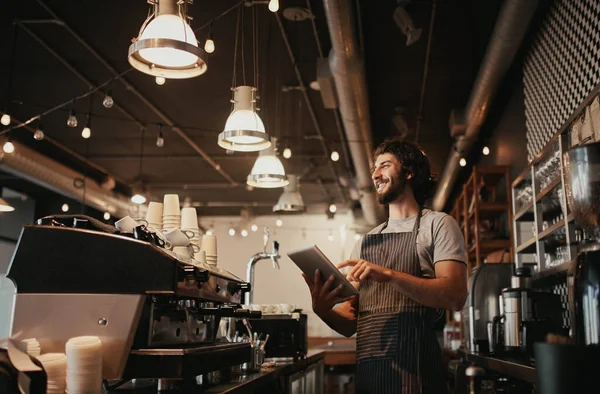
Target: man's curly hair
413,161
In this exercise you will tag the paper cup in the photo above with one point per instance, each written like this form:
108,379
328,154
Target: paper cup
209,245
154,213
189,218
171,205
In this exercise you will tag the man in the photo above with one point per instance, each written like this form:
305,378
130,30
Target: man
405,270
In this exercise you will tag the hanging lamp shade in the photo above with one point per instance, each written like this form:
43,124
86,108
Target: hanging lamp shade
291,199
268,172
167,46
244,130
5,206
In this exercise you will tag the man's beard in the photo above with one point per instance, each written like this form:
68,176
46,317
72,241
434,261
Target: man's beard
396,189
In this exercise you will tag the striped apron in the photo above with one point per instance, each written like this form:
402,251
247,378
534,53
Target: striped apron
397,349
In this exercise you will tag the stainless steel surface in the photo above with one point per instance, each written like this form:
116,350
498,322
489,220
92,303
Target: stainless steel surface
54,318
273,256
583,185
506,39
347,67
512,322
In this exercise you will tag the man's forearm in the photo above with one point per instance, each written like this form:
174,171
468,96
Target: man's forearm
340,320
434,293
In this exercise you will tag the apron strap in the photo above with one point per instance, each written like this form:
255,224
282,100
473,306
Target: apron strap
415,227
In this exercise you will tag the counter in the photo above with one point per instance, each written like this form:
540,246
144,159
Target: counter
256,380
509,366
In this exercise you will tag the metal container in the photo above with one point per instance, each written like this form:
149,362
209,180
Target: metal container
512,318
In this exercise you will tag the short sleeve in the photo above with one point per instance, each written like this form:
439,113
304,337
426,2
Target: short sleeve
355,254
448,241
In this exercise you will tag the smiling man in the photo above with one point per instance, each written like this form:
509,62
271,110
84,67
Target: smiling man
406,269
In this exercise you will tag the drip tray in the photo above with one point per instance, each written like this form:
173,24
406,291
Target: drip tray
184,361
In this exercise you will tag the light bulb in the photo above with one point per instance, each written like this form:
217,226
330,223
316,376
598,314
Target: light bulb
209,46
486,150
160,80
65,207
8,147
108,101
335,156
38,135
209,232
160,141
330,237
462,162
356,237
106,216
5,120
244,233
72,119
138,199
172,27
86,132
279,223
254,228
274,5
232,231
332,208
287,153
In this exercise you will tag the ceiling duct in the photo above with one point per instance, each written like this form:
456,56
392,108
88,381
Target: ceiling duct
326,83
348,72
510,29
28,164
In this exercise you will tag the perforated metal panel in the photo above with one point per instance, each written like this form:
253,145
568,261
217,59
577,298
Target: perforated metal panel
561,68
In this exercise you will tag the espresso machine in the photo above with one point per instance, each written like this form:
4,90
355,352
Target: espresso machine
157,318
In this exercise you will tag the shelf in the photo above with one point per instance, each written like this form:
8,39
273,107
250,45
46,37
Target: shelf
487,246
548,189
556,226
559,269
527,247
513,367
487,209
525,213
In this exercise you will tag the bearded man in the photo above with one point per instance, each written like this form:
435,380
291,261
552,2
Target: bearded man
406,270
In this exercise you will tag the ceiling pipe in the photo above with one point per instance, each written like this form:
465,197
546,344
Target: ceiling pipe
511,26
345,60
41,170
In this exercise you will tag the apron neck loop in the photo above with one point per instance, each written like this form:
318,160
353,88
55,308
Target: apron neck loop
415,227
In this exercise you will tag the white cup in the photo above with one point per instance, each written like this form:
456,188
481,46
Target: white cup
178,237
127,224
183,253
171,205
287,308
154,214
209,245
200,257
189,218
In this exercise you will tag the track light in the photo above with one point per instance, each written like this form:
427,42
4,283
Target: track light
5,119
274,5
335,156
462,162
486,150
72,119
108,101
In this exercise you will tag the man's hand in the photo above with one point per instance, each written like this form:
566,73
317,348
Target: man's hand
324,298
365,271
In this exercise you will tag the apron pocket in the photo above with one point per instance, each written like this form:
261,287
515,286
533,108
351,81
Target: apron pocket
377,336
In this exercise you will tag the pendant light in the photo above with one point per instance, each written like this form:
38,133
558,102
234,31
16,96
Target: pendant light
5,206
268,172
244,130
291,199
166,45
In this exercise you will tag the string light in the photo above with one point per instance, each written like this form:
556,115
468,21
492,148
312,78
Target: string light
332,208
87,130
486,150
65,207
160,141
254,228
232,231
274,5
356,237
5,119
330,237
72,119
209,232
244,233
209,45
160,80
279,222
108,101
38,135
287,153
335,156
8,146
106,216
462,162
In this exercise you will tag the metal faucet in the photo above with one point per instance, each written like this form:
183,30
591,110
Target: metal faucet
273,256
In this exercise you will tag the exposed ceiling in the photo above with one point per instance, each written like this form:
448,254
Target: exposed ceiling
200,106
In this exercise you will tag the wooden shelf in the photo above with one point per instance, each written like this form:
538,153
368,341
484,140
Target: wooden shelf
491,245
487,209
548,189
556,226
527,247
526,213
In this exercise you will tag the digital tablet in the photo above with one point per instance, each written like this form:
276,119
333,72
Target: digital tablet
311,258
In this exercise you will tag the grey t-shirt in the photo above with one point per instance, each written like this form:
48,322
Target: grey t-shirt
439,238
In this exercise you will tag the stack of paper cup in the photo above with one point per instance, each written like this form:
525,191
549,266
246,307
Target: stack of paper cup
30,346
55,365
209,246
189,222
84,365
200,259
171,214
154,215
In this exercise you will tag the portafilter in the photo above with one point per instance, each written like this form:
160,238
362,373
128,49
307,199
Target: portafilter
583,185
